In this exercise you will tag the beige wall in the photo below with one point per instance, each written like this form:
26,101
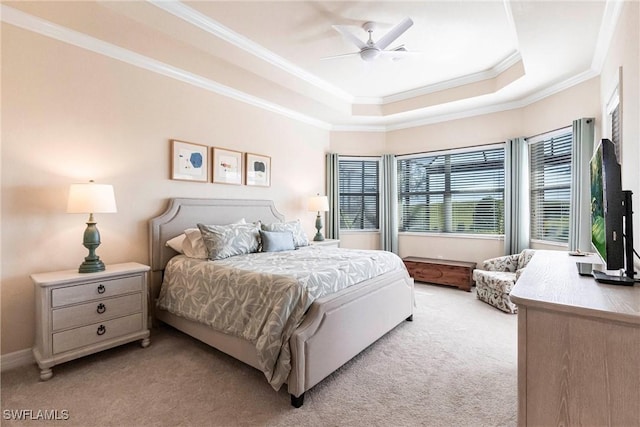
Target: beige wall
624,54
70,115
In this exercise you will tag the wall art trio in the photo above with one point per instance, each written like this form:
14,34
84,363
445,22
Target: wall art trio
190,162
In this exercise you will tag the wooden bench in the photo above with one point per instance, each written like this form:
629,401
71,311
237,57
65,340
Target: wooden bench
441,271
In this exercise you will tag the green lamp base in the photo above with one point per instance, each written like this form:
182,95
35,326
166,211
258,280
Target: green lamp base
91,241
318,237
92,266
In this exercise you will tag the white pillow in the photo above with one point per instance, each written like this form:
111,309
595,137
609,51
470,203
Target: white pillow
193,246
176,243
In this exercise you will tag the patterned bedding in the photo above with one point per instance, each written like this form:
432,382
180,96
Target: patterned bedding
262,297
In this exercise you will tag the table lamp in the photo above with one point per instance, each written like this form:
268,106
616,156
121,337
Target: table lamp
318,204
91,198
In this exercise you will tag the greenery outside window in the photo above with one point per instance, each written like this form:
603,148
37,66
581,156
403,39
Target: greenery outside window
454,191
359,189
550,185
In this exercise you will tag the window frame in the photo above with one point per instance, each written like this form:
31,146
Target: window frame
531,142
378,160
449,152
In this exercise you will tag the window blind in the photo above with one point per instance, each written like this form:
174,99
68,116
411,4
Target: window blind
359,194
550,187
457,192
615,129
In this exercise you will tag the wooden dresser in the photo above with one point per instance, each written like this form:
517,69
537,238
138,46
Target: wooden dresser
578,346
441,271
81,313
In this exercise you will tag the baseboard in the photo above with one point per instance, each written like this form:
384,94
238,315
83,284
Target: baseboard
16,359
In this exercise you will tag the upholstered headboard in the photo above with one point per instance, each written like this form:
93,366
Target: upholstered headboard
186,213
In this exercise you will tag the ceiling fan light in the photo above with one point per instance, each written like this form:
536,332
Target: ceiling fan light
369,54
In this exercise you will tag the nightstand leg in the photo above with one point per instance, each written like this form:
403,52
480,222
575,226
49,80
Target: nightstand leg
145,342
46,374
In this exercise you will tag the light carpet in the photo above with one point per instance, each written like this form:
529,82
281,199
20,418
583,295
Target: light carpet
454,365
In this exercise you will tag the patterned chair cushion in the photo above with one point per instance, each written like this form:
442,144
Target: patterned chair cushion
502,281
502,263
524,257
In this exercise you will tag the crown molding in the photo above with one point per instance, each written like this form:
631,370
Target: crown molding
491,73
57,32
192,16
612,12
496,108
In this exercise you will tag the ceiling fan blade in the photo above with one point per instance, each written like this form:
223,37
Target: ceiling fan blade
344,55
397,54
349,36
394,33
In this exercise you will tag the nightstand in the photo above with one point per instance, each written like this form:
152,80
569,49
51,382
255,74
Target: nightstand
326,242
78,314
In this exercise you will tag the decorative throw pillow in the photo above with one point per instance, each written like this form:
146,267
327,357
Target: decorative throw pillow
223,241
276,241
299,236
176,243
193,246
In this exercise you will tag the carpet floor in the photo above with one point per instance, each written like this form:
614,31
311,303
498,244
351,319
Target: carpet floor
454,365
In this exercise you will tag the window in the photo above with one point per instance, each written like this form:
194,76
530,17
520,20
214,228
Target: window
359,193
613,110
453,191
550,185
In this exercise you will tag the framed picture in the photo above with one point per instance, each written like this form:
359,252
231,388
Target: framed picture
189,161
227,166
258,170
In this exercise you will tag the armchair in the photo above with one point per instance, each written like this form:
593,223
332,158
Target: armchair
497,277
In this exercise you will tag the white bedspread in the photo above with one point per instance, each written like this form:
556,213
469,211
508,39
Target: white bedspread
262,297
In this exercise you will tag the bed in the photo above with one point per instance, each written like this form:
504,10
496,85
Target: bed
334,329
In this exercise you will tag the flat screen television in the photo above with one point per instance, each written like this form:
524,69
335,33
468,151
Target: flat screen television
609,206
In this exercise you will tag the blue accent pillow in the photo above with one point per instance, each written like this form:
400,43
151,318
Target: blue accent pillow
276,241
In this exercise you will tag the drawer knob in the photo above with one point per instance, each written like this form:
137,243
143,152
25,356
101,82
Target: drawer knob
101,330
101,308
101,289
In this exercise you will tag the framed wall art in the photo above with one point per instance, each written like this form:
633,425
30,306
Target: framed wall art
258,170
189,161
227,166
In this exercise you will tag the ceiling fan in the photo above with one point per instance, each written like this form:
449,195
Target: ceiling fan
371,50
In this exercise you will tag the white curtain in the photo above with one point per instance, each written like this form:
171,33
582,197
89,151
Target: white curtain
332,230
516,196
389,204
580,211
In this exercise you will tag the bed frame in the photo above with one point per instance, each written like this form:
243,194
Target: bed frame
336,327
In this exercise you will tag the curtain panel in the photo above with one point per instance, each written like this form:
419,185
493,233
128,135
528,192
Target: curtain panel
580,211
389,204
333,194
516,197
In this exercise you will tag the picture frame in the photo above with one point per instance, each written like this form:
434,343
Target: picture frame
258,170
189,161
227,166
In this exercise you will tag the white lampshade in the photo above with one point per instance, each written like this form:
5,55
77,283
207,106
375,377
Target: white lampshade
318,204
91,198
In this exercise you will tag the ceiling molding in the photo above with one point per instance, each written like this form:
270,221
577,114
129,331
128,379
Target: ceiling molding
612,11
496,108
192,16
63,34
208,24
491,73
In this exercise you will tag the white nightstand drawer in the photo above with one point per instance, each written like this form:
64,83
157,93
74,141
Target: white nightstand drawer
95,290
87,335
96,311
